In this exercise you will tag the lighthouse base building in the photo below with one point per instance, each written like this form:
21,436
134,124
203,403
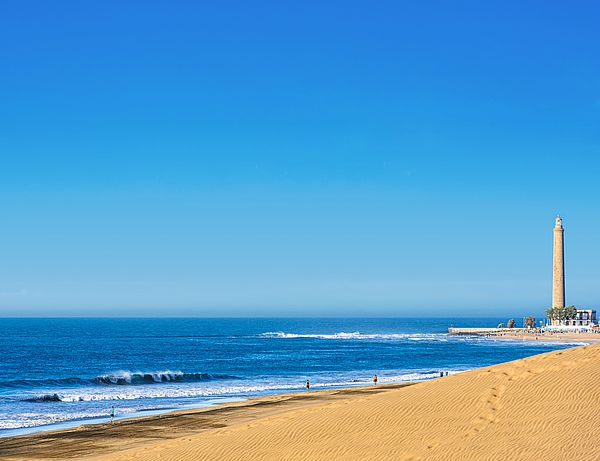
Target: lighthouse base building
585,318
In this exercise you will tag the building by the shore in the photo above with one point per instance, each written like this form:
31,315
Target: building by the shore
583,318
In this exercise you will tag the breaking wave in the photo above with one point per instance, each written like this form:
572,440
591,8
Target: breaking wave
44,398
119,378
124,378
224,389
359,336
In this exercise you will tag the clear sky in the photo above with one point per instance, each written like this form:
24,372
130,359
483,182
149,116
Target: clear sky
297,158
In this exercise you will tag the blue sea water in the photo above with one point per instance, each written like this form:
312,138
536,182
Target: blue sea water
72,370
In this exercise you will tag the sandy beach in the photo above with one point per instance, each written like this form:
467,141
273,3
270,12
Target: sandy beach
529,335
549,336
541,407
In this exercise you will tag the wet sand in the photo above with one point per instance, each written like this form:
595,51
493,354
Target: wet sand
98,439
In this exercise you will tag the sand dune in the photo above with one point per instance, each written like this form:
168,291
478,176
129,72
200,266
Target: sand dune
543,407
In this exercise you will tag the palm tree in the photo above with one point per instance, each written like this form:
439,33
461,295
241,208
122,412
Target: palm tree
530,322
561,314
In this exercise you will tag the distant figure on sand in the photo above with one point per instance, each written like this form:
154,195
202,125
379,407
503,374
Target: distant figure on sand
111,413
307,385
375,379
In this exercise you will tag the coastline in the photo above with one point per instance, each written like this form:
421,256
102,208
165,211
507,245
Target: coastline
570,338
260,357
518,334
128,433
524,409
76,423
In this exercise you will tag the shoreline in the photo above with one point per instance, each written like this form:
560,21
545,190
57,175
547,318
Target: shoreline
214,403
515,335
575,338
93,421
126,433
471,415
522,335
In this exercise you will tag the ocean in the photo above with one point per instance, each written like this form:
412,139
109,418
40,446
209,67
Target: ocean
63,372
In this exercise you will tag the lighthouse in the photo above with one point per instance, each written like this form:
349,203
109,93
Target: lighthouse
558,265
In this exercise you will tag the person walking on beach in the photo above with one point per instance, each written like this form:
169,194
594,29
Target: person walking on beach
307,385
375,380
111,413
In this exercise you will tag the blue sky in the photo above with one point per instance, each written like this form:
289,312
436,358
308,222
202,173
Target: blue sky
307,158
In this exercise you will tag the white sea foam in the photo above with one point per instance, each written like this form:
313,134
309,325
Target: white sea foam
358,336
92,402
125,377
32,419
387,379
203,390
90,395
129,377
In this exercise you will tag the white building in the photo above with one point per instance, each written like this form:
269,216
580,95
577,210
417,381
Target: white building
584,318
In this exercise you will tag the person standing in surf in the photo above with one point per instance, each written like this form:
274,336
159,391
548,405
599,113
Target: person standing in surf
111,413
307,385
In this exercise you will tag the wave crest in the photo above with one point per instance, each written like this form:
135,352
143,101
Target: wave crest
357,335
44,398
117,378
124,378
